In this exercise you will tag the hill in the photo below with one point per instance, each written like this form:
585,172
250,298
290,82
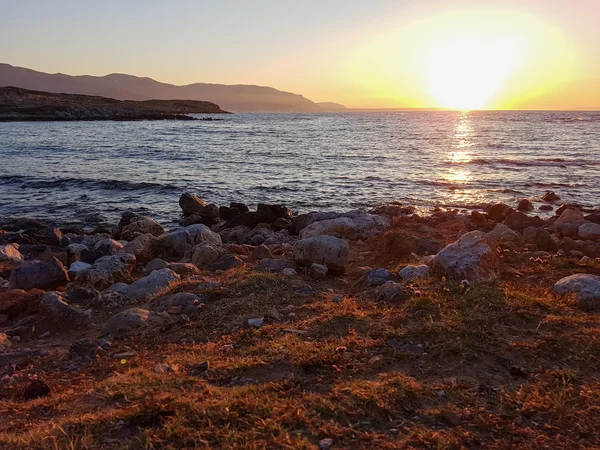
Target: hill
128,87
18,104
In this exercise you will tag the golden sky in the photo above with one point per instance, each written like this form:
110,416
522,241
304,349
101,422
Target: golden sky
492,54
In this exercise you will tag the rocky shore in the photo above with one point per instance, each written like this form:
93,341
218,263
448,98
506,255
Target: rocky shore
18,104
427,327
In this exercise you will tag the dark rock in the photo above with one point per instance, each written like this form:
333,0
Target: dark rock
427,246
55,308
569,229
498,211
546,208
305,289
541,238
47,274
199,368
126,219
595,218
36,389
191,204
49,235
450,417
81,294
550,197
228,262
15,302
274,265
568,245
525,205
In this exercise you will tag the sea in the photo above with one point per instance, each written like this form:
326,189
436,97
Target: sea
79,171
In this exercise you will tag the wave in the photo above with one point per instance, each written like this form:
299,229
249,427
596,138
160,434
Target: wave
26,182
551,162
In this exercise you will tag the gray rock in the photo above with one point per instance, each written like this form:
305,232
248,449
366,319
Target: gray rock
47,274
147,286
107,271
378,276
391,290
228,262
126,322
471,257
587,288
274,265
289,272
569,215
11,253
141,247
184,269
413,272
203,255
317,271
108,246
187,301
305,289
141,225
107,300
155,264
54,307
261,252
328,250
590,231
257,322
501,233
541,238
351,225
179,241
77,267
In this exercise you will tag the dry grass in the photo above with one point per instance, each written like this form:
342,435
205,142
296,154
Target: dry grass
348,377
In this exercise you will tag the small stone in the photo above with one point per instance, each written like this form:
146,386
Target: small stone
261,252
586,260
550,197
305,289
274,314
325,444
450,417
163,368
337,298
525,205
256,322
36,389
517,371
441,393
199,368
289,272
317,271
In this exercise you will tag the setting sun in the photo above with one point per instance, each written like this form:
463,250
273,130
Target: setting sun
467,71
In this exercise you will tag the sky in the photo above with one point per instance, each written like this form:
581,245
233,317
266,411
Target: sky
501,54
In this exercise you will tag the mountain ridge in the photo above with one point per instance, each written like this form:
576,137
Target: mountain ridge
236,97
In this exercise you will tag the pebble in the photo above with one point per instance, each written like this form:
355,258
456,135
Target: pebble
163,368
325,444
256,322
289,272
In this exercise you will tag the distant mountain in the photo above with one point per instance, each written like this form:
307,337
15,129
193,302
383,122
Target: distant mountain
17,104
235,98
332,107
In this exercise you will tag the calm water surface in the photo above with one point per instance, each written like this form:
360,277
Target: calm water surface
69,171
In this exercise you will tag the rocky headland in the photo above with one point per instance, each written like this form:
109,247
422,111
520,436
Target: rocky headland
383,329
18,104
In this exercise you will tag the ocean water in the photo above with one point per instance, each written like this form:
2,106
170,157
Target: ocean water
72,170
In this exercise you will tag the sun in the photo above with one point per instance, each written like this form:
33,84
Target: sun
466,71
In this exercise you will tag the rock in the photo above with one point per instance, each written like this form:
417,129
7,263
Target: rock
184,269
410,273
107,271
569,215
261,252
141,247
256,323
450,417
377,277
589,231
17,301
189,303
427,246
305,289
595,217
126,322
317,271
11,253
328,250
502,233
149,285
570,229
546,208
587,288
525,205
179,241
77,267
289,272
550,197
5,343
36,389
206,254
498,211
47,274
75,251
470,257
235,235
325,444
155,264
518,221
49,236
191,204
541,238
199,368
352,225
391,290
274,265
163,368
141,225
108,246
228,262
258,236
55,308
209,215
107,300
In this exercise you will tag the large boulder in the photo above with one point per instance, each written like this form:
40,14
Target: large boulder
10,253
54,307
179,241
46,274
141,225
108,246
502,234
352,225
587,288
206,254
471,257
498,211
141,246
107,271
410,273
191,204
541,238
149,285
328,250
589,231
569,215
